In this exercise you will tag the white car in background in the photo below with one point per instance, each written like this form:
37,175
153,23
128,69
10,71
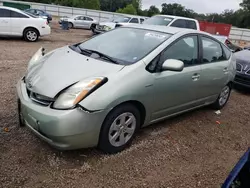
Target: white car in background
79,21
116,22
14,22
173,21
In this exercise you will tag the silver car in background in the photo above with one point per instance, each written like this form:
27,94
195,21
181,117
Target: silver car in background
101,91
118,21
79,21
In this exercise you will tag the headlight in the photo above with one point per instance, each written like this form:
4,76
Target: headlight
77,92
107,28
38,57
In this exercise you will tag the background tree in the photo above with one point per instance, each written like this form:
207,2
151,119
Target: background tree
153,10
129,9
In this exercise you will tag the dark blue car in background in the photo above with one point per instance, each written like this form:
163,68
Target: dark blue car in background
38,12
239,177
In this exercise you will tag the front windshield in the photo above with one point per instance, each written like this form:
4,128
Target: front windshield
126,45
121,19
158,20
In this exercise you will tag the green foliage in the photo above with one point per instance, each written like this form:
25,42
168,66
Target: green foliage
153,10
129,9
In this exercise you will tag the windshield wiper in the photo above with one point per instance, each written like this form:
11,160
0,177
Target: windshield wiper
103,56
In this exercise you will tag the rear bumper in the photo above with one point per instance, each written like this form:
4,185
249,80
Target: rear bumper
62,129
45,30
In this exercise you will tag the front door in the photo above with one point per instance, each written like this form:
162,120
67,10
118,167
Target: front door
215,70
5,28
175,92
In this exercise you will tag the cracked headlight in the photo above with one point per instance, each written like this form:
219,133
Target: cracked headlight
71,96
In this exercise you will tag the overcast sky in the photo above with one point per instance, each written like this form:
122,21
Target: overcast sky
200,6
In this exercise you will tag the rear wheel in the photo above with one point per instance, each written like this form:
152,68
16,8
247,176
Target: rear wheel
223,98
31,35
119,128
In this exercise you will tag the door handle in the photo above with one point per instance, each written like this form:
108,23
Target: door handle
195,77
225,70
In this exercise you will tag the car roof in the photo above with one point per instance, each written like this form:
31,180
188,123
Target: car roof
165,29
10,8
171,16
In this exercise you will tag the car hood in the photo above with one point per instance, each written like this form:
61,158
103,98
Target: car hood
63,68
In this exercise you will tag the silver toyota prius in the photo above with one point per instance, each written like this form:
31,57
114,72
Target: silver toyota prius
101,91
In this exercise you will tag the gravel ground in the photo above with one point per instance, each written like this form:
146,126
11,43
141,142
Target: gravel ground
190,150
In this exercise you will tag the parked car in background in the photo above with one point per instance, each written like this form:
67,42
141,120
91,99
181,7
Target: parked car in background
14,22
79,21
226,41
101,91
118,21
242,77
246,48
173,21
239,176
40,13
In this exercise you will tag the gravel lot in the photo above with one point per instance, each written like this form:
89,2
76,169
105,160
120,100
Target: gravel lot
191,150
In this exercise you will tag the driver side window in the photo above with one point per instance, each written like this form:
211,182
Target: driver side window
185,49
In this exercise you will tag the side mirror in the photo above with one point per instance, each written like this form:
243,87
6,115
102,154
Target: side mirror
173,65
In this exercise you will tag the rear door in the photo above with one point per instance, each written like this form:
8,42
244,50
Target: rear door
214,69
18,21
5,28
79,21
87,22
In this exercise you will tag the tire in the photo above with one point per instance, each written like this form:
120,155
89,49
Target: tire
115,136
71,26
223,97
31,35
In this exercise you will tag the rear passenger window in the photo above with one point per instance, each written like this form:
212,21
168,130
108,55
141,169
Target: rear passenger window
226,51
179,23
88,19
134,20
17,15
185,49
191,24
4,13
212,51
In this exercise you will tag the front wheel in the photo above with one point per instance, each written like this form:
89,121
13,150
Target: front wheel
31,35
119,128
223,98
71,25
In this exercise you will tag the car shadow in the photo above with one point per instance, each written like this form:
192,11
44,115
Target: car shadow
242,90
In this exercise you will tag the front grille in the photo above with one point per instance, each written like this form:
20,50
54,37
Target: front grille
40,99
238,67
242,79
248,72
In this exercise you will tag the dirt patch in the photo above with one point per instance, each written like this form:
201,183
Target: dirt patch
190,150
